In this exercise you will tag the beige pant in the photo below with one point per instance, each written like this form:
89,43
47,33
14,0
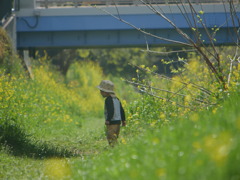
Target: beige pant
112,133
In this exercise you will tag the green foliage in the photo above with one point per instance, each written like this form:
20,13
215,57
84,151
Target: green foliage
193,87
114,61
9,62
203,146
5,46
82,78
34,107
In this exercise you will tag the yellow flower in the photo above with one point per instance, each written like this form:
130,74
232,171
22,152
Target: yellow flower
148,68
155,141
162,116
214,110
123,141
57,168
153,123
196,145
188,98
142,66
161,172
218,147
194,117
174,114
194,29
136,122
165,121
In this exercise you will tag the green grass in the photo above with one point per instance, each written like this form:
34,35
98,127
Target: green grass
203,145
25,156
43,137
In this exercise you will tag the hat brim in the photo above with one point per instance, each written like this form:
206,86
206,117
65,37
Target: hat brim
105,90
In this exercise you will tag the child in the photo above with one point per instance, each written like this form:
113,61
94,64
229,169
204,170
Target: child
113,110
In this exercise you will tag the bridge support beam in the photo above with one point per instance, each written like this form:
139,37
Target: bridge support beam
126,38
89,27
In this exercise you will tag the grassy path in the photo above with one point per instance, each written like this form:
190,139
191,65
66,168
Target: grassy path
91,138
86,141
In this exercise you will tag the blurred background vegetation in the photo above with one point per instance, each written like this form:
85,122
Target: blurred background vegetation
115,61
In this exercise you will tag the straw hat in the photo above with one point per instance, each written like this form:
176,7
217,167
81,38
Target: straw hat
106,86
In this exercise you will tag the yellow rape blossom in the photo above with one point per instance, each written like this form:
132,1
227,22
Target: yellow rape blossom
161,172
201,12
218,147
174,103
188,98
123,141
196,146
153,123
57,168
162,116
214,110
155,141
194,117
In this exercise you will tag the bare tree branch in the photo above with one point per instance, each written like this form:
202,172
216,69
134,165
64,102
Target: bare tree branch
235,58
169,21
170,79
163,90
170,52
233,14
167,100
196,34
184,35
143,31
226,22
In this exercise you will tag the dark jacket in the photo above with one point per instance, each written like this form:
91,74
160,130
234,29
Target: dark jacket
113,110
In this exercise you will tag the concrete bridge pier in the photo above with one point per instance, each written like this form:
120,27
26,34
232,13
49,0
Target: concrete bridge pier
26,55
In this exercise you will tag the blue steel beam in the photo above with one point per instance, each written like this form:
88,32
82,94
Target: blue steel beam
117,38
106,22
38,31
